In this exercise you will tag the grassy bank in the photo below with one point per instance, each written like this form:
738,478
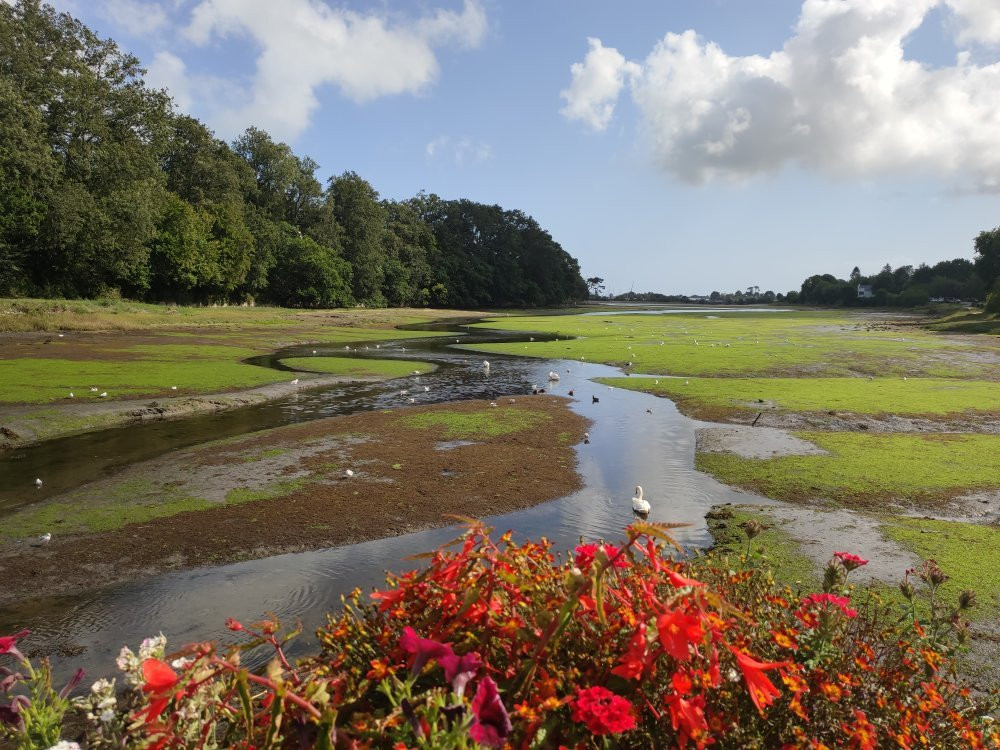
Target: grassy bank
366,368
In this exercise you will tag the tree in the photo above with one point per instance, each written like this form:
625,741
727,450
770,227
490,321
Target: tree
855,275
596,286
987,261
310,275
357,209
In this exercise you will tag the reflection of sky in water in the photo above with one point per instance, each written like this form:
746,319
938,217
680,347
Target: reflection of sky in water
628,446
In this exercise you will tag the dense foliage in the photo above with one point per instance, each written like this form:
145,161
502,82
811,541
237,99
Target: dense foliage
107,190
496,644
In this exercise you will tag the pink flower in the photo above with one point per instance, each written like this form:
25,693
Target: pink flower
458,670
7,643
491,723
841,602
602,711
849,561
422,649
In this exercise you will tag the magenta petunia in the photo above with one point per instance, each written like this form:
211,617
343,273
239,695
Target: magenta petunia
491,723
422,649
458,670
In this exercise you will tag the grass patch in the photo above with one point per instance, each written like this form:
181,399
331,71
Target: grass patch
35,381
386,368
969,553
490,422
863,469
858,395
814,343
968,322
108,512
241,495
771,547
269,453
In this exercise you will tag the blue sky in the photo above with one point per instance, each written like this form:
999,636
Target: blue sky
777,139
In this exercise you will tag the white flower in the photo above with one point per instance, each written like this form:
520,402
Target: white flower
107,716
181,663
153,648
732,675
64,745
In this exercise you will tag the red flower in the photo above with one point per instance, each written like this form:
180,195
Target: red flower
633,662
159,678
862,733
389,598
491,723
678,580
688,719
585,554
840,602
602,711
234,625
762,690
8,642
677,632
850,561
422,649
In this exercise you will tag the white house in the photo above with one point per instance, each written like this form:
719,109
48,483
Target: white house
865,291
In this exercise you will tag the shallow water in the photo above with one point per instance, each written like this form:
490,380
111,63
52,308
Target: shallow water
628,446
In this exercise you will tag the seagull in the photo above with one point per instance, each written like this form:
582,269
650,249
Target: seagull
295,382
377,346
314,351
348,474
348,347
512,401
71,394
486,366
93,390
413,401
404,392
173,387
38,482
553,376
104,395
493,403
586,437
60,335
639,505
416,372
427,389
45,538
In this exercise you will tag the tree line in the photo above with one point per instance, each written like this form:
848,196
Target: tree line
958,280
105,189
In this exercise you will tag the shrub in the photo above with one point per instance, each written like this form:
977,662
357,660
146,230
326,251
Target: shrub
501,644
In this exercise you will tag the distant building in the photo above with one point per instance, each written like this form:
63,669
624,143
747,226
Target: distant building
865,291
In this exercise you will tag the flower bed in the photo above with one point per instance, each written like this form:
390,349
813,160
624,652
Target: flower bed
497,644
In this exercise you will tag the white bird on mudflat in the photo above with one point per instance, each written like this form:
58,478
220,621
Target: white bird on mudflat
553,376
314,351
348,474
93,390
45,538
71,394
104,395
413,401
486,365
638,504
295,382
427,389
38,482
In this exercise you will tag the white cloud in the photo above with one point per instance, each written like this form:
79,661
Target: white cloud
979,20
134,16
596,83
839,97
463,151
305,44
167,71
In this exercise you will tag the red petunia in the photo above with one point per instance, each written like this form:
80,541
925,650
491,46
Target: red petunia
762,690
602,711
678,632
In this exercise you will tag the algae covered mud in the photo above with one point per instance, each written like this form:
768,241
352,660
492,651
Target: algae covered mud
280,459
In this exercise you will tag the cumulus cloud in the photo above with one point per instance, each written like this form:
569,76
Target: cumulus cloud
306,44
840,97
462,151
979,20
596,83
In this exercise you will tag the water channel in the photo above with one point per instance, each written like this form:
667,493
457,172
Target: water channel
635,439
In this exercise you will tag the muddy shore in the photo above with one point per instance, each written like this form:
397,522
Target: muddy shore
287,489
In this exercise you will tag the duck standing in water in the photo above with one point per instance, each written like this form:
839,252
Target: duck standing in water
639,505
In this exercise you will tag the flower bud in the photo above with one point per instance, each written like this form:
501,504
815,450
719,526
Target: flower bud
906,588
967,599
752,528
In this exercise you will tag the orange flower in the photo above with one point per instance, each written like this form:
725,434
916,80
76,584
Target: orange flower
762,690
862,734
677,632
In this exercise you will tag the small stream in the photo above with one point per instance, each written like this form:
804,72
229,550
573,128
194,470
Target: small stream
629,445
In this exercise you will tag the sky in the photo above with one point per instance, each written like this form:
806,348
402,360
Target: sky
678,146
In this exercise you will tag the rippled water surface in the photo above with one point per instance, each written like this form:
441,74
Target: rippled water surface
629,445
